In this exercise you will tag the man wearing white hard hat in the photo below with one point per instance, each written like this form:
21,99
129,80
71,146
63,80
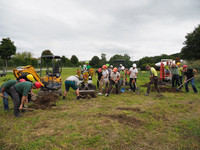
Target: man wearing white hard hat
133,77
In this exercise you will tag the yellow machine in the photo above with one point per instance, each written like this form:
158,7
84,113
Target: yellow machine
51,82
27,70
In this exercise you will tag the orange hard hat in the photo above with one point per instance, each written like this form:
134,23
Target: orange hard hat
115,69
104,66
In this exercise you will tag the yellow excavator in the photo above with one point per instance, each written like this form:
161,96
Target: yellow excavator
51,82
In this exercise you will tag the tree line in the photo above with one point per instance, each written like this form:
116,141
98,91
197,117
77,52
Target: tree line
9,57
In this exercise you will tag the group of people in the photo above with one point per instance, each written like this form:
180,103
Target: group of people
177,76
19,90
109,77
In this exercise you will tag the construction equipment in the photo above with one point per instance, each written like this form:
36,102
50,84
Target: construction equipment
51,82
85,82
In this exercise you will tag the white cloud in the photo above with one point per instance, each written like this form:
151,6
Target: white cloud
91,27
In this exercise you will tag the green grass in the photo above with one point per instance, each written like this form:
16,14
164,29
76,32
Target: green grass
123,121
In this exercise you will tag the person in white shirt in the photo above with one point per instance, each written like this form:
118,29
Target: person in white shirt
104,79
115,76
72,82
133,77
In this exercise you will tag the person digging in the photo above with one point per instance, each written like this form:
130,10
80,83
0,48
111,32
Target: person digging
190,75
19,94
5,92
114,78
153,79
72,82
30,78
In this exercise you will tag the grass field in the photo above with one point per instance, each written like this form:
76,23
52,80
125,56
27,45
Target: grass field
124,121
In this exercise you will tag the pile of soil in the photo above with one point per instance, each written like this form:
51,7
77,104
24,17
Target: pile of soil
163,89
44,101
166,89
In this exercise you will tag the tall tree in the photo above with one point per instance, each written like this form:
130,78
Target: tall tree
46,52
191,50
95,62
74,60
7,49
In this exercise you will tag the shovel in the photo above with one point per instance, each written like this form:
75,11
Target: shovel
184,83
7,98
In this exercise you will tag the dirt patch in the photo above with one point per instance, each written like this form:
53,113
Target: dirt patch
44,101
123,119
164,89
131,109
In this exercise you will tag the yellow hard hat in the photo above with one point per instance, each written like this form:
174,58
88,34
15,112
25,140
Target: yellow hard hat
178,63
30,77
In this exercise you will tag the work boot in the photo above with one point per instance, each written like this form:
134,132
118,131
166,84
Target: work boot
146,94
78,98
63,97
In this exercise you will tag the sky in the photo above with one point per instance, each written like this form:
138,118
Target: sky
88,28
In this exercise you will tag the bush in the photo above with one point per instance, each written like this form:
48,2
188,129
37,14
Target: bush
194,64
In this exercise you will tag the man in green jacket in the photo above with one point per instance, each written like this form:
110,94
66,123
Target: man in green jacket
5,92
19,94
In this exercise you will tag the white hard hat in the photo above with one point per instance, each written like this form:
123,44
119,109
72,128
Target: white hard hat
122,68
120,65
134,65
77,76
111,66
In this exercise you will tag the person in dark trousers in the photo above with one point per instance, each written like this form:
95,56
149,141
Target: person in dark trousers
27,77
19,94
5,92
114,78
190,75
153,79
99,73
133,77
175,77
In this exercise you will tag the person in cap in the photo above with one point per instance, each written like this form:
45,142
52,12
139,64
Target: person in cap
122,77
99,73
175,73
180,70
73,82
19,94
133,77
153,79
167,68
119,68
114,78
27,77
87,65
5,92
190,75
104,80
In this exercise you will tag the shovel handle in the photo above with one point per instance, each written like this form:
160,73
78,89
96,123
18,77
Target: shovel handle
7,97
185,82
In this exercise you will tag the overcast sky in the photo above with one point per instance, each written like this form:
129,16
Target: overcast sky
86,28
